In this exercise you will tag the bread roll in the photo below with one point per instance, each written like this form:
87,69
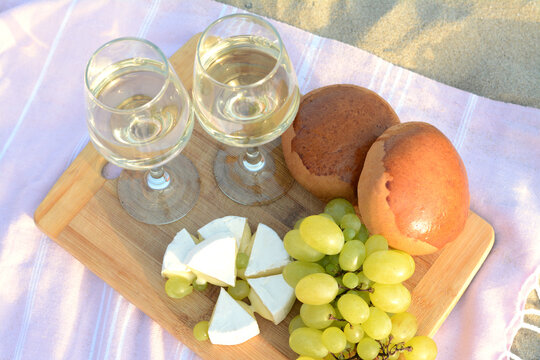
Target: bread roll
327,143
414,189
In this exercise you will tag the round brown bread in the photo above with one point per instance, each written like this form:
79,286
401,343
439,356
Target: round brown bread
414,189
327,143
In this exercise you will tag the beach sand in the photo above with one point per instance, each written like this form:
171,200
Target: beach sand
489,48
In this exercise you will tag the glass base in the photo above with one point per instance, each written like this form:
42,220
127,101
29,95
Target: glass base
255,186
164,206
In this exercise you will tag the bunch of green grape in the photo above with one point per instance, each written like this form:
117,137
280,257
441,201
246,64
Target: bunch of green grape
354,305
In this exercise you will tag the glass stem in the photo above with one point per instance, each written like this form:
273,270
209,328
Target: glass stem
253,159
158,178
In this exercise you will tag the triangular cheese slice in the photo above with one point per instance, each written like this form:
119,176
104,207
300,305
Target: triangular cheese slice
231,324
271,297
175,255
236,225
268,255
214,259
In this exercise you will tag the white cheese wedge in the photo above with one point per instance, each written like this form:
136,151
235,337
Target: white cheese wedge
236,225
268,255
271,297
175,255
214,259
230,323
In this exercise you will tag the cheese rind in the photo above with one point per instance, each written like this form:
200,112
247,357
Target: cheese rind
230,323
268,255
214,259
174,258
275,296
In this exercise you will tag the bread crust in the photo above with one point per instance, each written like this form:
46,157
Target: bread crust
414,189
326,145
325,188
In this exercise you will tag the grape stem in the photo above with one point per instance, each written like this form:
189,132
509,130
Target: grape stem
369,290
387,351
358,288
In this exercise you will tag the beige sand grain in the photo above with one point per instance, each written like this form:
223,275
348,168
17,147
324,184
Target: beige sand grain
487,47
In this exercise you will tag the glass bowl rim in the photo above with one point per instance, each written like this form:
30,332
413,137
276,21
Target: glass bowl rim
154,99
258,82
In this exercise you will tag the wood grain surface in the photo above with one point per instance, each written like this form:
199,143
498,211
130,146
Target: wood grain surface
83,215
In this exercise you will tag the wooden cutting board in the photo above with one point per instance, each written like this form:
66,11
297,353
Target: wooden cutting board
83,215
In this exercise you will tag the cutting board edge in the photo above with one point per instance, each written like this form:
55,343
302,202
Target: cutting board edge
466,284
71,191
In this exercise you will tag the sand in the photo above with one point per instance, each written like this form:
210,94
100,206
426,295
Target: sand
489,48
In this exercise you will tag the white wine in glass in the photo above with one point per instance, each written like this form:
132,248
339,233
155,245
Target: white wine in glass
246,95
140,118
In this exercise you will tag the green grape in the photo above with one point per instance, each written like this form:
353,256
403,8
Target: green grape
308,342
388,267
352,255
348,234
332,269
325,260
367,348
317,316
348,353
296,322
334,339
376,243
328,216
423,348
240,290
378,324
200,330
404,327
200,286
322,234
298,249
394,298
339,324
242,260
341,288
363,294
316,289
353,333
296,270
353,308
178,287
297,223
350,280
363,234
200,281
350,221
302,357
334,305
394,356
409,257
363,281
337,208
333,259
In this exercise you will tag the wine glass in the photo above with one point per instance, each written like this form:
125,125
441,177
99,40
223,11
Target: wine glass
245,95
140,117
